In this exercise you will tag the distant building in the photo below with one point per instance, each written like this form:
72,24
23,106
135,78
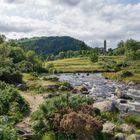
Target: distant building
105,46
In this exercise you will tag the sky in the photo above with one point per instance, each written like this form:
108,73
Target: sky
92,21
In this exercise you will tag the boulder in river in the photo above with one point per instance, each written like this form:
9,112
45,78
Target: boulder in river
64,88
123,101
81,89
105,106
122,95
131,83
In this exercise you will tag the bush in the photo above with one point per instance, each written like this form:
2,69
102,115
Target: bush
12,104
75,123
133,120
123,64
7,133
52,71
43,119
125,74
94,57
111,66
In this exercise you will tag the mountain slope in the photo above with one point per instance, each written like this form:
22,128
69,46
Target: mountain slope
52,45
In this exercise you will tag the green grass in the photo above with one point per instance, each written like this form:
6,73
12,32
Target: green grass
75,65
28,76
82,64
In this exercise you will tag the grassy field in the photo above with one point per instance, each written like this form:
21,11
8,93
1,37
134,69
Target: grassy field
82,64
75,65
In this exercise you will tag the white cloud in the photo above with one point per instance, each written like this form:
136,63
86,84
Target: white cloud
91,21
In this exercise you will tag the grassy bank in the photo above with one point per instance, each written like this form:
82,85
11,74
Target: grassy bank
83,64
132,66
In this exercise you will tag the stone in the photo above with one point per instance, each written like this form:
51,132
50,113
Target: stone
87,74
131,83
118,92
53,87
126,97
122,95
120,136
22,87
74,90
125,128
109,128
81,89
123,101
105,106
85,92
64,88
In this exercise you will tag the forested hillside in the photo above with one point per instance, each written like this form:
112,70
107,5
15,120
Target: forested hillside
52,45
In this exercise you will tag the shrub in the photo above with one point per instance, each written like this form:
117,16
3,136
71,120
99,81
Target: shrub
43,119
125,74
12,104
94,57
133,119
77,123
7,133
123,64
111,116
52,71
111,66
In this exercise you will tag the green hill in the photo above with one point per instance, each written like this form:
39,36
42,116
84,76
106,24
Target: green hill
52,45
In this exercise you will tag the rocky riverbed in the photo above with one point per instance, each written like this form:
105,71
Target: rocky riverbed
126,97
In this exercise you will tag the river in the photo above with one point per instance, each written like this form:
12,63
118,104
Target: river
103,89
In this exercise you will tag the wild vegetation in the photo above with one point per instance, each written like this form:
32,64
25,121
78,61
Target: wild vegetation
12,110
14,61
62,115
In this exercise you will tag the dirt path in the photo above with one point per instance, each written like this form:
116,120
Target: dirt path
34,102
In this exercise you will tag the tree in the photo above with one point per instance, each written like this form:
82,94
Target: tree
121,44
110,51
132,48
17,54
120,50
2,38
132,45
30,55
61,55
